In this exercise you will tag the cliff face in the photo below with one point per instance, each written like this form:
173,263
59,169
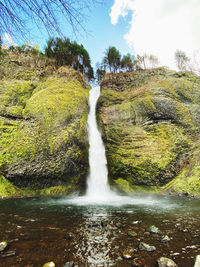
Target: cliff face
43,135
151,122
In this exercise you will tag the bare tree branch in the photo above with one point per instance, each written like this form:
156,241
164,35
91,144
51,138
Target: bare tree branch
16,15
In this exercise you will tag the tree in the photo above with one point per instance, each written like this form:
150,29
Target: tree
146,61
127,62
15,15
70,53
113,58
182,60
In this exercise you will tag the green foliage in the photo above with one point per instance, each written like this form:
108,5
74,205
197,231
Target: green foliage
127,62
70,53
112,58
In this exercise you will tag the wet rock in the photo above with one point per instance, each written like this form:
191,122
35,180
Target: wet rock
49,264
127,255
132,234
165,262
138,262
165,239
3,245
136,222
69,264
147,247
197,261
146,233
9,253
153,230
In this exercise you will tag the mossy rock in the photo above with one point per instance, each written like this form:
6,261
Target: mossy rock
44,149
150,121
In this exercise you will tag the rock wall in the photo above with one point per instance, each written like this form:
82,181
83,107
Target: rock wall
150,122
43,134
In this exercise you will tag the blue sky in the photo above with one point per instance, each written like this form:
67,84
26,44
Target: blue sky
101,33
157,27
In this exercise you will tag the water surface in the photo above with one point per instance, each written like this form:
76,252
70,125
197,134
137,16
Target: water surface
39,230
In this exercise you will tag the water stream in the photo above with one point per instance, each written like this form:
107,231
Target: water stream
95,229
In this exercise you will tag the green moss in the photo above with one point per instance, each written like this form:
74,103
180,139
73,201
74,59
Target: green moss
149,125
188,180
13,96
7,189
57,190
128,188
24,75
50,146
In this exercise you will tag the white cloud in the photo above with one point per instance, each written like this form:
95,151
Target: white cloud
160,27
8,39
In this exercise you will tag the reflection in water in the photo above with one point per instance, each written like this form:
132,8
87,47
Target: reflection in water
97,241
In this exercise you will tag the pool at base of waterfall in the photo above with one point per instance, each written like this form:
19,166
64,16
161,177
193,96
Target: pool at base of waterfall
40,230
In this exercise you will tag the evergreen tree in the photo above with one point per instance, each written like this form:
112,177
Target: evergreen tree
70,53
113,59
127,62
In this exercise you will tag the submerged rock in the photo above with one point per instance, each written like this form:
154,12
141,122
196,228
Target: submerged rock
138,262
147,247
165,262
49,264
127,255
132,234
9,253
3,245
165,239
153,230
197,261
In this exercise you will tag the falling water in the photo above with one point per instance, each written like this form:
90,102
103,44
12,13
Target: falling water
98,187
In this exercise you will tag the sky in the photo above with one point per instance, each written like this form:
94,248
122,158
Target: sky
157,27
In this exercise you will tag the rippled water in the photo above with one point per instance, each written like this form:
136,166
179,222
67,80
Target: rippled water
39,230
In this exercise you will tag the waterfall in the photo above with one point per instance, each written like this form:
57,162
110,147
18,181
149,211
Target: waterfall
98,187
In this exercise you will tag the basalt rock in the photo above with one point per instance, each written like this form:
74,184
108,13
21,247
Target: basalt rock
150,122
43,133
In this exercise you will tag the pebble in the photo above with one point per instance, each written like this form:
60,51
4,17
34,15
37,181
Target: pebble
153,230
165,262
3,245
197,261
165,239
136,222
49,264
132,234
127,255
9,253
147,247
138,262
